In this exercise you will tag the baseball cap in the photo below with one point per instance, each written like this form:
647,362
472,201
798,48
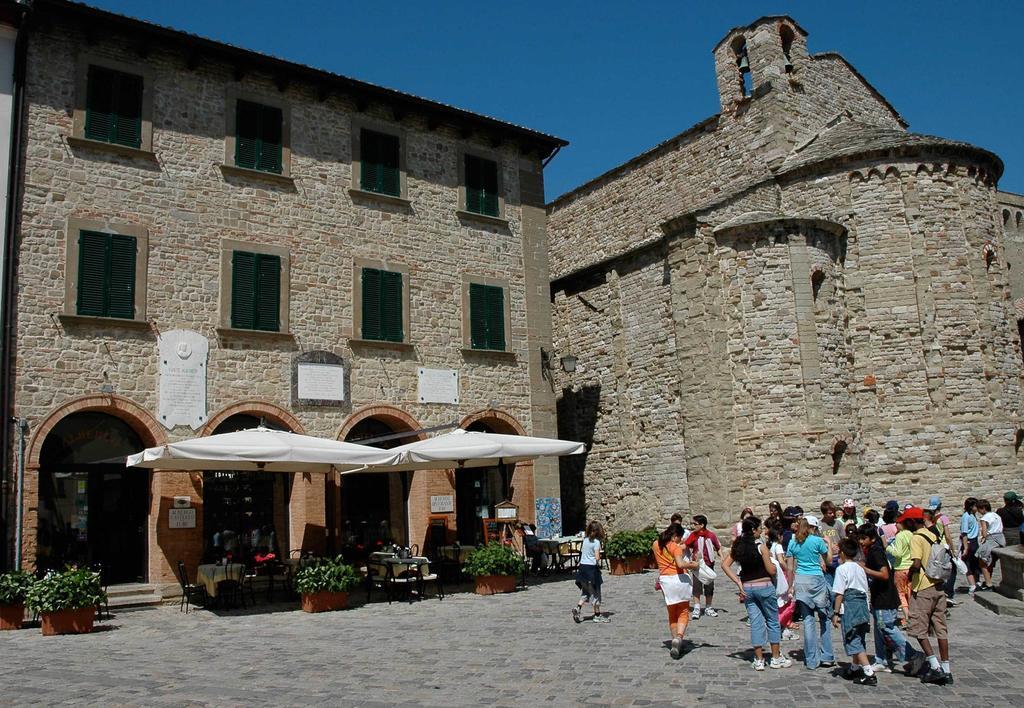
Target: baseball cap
812,520
907,506
792,512
913,512
849,504
893,505
1011,497
935,502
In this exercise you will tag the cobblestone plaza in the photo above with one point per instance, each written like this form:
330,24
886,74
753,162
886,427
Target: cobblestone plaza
520,649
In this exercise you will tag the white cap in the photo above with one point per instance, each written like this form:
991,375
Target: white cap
812,520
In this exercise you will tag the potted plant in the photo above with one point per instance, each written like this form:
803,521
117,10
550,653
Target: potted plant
324,584
648,536
496,568
14,586
627,552
66,600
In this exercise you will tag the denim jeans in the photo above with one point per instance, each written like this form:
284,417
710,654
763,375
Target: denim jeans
814,599
763,610
885,628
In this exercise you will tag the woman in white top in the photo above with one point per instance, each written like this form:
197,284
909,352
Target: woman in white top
990,537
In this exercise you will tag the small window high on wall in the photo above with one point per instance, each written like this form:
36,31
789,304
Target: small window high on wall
787,36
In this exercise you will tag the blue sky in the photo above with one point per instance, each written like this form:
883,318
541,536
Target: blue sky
615,78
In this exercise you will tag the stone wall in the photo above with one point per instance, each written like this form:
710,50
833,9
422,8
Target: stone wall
821,308
187,205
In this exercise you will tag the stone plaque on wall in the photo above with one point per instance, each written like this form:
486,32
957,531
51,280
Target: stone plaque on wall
439,386
319,378
183,378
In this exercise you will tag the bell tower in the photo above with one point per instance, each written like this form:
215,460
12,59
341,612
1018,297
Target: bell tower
758,58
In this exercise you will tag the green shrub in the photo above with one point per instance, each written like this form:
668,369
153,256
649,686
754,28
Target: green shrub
70,589
326,575
14,586
649,535
627,544
494,559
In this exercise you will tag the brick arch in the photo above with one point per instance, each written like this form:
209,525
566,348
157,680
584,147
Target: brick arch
503,422
140,420
395,417
258,408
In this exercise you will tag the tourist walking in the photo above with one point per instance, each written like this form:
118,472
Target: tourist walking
833,531
884,601
928,601
737,528
889,513
990,538
588,576
849,515
1012,514
757,592
970,529
785,598
674,578
774,512
702,544
851,593
899,553
807,554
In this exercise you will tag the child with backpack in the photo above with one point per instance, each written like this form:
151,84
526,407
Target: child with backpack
931,565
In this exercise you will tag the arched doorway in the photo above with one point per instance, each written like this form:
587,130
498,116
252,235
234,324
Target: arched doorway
245,513
374,506
91,508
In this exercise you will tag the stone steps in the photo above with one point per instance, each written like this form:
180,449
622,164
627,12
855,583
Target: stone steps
1000,604
133,595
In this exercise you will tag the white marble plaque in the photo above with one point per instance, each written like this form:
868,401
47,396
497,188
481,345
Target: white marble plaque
439,386
181,518
442,504
183,378
324,382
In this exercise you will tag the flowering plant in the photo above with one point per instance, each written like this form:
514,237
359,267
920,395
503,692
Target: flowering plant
69,589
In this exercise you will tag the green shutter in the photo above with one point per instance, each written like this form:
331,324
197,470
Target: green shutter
391,307
271,130
243,290
489,202
371,328
106,275
473,188
486,317
247,134
113,107
121,280
481,185
268,292
380,170
92,273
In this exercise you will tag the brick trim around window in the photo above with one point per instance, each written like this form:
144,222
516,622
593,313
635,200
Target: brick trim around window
359,124
494,157
84,61
233,96
467,329
358,264
72,255
227,250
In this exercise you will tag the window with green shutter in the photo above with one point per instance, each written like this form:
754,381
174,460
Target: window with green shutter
255,291
258,136
106,275
113,107
486,317
379,163
382,305
481,186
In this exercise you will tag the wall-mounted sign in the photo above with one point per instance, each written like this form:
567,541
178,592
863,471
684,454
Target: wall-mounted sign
443,504
439,386
319,378
181,518
182,502
182,378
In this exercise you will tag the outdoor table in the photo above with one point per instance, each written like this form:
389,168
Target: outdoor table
209,575
550,548
460,553
408,564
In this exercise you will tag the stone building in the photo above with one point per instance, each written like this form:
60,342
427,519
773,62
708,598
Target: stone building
179,195
794,299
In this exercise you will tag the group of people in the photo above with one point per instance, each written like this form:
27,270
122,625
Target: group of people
891,573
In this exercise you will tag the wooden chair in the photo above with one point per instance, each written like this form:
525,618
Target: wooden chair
188,589
568,556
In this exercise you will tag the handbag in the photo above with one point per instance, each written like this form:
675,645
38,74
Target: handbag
705,573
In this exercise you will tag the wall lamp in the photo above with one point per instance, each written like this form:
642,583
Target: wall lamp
568,363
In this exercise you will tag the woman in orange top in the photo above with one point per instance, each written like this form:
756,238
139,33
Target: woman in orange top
675,582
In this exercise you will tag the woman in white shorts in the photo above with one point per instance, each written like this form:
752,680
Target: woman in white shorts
673,575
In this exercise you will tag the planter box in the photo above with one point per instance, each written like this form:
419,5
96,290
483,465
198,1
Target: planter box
325,601
492,584
11,616
68,621
627,566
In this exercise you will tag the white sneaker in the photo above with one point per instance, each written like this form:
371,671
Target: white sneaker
880,668
789,635
711,612
758,664
782,662
695,614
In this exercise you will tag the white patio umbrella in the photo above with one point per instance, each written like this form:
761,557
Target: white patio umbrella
463,448
260,450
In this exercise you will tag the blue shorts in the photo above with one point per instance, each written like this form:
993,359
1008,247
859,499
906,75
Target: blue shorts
853,641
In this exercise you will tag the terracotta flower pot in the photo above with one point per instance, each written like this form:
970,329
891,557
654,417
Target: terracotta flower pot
77,621
11,616
325,601
492,584
627,566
